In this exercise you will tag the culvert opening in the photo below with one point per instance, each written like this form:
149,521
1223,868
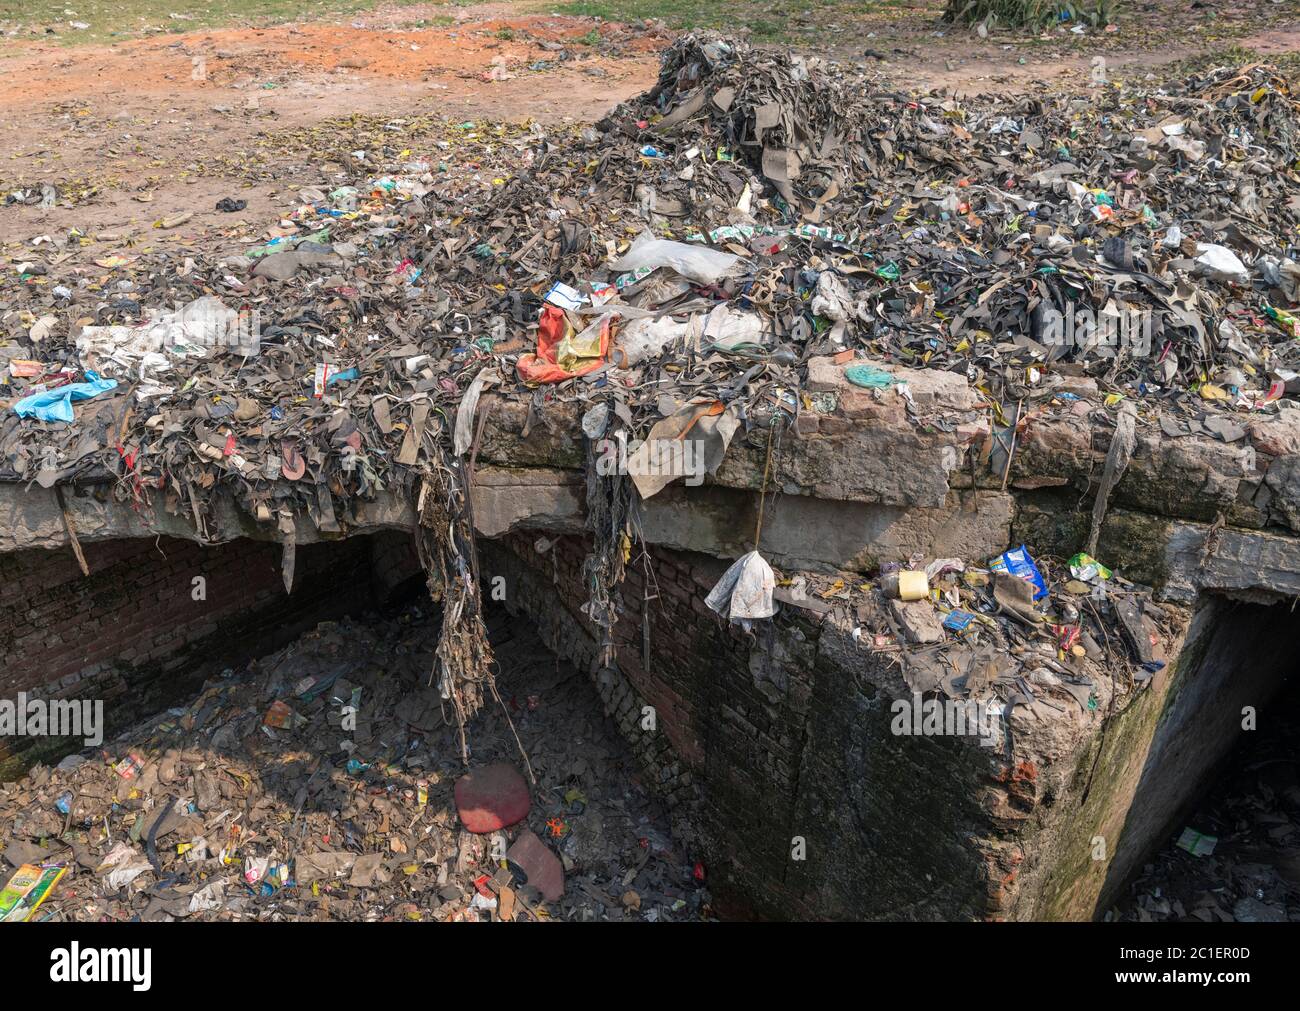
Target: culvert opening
318,780
1232,849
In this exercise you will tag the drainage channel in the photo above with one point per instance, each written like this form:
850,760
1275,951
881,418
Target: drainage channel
319,782
1236,855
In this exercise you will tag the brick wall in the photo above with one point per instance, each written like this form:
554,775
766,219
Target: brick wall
758,739
133,633
767,738
724,754
546,585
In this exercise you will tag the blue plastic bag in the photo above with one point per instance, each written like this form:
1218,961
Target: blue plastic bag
869,376
56,404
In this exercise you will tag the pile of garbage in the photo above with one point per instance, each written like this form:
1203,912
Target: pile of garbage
764,208
1068,641
674,268
324,782
752,210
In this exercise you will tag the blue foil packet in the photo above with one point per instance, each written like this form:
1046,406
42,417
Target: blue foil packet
958,621
1018,562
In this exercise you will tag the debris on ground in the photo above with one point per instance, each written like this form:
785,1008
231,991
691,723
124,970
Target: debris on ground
1017,640
324,782
1238,859
770,207
678,270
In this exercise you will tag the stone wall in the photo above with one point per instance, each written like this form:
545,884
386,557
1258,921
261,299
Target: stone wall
1134,784
773,750
778,743
776,754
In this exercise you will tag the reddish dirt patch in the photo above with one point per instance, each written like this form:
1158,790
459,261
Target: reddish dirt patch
457,59
167,118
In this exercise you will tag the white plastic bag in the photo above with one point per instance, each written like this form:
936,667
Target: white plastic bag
698,263
1221,263
200,329
832,298
744,593
646,338
728,328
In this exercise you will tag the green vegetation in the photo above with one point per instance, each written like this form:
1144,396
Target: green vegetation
767,20
1027,13
114,20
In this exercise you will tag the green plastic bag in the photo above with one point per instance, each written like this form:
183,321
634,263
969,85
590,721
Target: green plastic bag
869,376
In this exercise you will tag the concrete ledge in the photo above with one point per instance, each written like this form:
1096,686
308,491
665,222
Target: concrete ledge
30,517
1244,564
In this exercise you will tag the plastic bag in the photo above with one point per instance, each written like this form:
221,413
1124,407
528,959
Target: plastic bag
744,592
1086,568
56,404
832,298
646,338
729,329
869,377
1221,263
697,263
562,355
578,351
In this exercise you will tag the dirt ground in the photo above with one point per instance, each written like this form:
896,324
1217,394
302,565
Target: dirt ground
142,131
148,129
130,135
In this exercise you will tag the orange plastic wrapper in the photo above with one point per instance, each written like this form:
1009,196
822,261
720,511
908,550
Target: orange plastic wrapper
561,354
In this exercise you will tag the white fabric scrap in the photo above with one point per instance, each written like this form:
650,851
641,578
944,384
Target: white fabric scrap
728,328
464,432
